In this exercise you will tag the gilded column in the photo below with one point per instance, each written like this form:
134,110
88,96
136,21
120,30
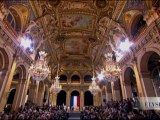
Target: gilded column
25,97
40,95
47,94
122,86
16,97
33,91
81,100
116,91
138,80
99,98
19,95
113,93
54,99
68,99
6,85
36,92
108,92
95,99
32,88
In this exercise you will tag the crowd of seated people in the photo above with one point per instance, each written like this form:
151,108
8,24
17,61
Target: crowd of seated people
32,112
114,110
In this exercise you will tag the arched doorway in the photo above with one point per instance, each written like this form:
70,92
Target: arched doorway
11,96
154,69
88,99
75,100
150,73
130,83
61,98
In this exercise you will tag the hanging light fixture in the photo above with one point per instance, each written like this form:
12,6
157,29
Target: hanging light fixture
94,88
111,70
56,87
39,70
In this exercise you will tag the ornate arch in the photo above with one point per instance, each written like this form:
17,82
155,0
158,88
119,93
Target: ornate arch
129,18
153,48
21,15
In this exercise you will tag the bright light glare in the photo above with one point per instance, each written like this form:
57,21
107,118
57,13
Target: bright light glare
101,76
26,43
124,46
118,56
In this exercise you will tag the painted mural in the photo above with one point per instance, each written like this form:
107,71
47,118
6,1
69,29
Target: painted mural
75,46
76,21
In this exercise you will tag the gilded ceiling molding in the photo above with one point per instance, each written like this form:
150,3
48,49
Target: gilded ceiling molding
43,22
23,13
119,8
33,6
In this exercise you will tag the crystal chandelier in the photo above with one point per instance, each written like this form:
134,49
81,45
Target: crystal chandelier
39,70
94,88
56,87
111,70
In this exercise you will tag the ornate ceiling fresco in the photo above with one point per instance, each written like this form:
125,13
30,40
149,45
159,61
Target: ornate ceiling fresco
75,33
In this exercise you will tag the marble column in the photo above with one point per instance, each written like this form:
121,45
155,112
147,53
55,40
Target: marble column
108,92
6,85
